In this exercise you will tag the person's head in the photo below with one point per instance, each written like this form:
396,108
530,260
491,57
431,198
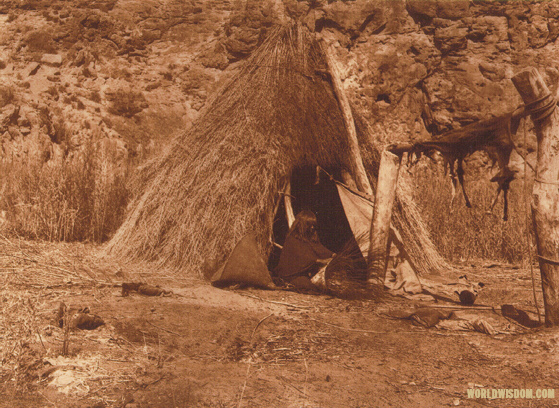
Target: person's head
304,226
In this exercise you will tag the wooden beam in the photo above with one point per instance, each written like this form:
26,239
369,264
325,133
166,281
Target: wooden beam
382,213
545,194
470,137
358,170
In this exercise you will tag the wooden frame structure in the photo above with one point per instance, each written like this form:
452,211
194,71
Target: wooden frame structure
494,136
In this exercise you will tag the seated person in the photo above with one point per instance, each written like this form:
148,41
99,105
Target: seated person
302,254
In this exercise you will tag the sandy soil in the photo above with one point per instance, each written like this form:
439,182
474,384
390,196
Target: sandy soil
209,347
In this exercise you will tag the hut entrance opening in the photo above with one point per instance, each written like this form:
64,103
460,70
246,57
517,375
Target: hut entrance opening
319,195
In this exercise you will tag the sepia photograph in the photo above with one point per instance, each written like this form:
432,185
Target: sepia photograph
279,203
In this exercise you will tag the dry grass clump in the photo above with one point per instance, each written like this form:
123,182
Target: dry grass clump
35,276
462,233
81,197
20,354
126,102
42,264
346,274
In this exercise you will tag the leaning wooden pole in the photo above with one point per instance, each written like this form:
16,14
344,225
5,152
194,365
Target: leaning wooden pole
545,194
359,173
289,214
382,213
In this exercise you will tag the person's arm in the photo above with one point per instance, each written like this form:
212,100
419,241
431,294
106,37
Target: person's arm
321,251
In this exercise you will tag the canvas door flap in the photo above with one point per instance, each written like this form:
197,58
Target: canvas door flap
244,265
359,213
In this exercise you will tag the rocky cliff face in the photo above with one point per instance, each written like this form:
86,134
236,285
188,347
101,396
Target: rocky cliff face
136,72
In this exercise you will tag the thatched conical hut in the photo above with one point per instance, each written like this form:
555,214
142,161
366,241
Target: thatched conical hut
224,176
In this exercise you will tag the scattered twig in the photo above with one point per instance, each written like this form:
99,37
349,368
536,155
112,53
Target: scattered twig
48,400
89,272
66,326
292,386
461,307
244,384
40,338
249,363
154,381
306,376
258,324
349,329
165,330
275,302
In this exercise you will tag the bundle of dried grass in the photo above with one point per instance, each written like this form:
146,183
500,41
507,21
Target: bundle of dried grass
222,178
346,274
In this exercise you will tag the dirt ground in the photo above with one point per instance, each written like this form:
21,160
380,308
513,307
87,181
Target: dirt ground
207,347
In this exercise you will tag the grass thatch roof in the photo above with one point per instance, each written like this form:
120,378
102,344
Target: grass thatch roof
223,177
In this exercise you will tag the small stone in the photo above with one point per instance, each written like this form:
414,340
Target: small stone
425,9
52,59
23,121
32,68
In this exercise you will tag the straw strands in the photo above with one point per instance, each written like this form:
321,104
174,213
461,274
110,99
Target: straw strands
223,177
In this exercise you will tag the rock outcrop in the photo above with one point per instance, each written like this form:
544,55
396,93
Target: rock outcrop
140,71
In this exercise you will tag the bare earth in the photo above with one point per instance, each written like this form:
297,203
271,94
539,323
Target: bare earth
208,347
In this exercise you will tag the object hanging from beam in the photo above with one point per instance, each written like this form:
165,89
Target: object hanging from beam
493,136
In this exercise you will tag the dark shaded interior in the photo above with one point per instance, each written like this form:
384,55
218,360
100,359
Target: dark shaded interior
319,195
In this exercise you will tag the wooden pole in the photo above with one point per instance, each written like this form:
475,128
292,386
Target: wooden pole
545,193
360,175
382,213
358,169
289,214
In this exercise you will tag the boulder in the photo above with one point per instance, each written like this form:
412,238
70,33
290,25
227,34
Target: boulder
453,10
8,116
493,72
6,95
422,10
